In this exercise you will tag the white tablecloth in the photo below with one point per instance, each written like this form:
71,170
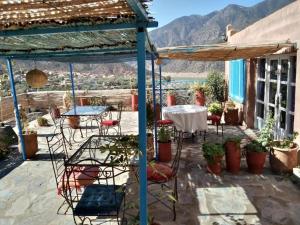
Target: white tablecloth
187,118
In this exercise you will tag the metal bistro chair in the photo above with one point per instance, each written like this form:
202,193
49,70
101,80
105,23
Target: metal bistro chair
165,175
100,202
112,123
58,149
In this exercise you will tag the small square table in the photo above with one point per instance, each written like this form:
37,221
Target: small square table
86,111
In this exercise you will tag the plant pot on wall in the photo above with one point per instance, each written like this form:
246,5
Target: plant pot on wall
200,98
31,144
150,147
157,115
73,121
84,101
283,160
134,102
171,100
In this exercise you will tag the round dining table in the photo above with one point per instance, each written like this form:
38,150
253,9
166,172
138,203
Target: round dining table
187,118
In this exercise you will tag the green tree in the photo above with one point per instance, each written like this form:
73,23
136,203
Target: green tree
216,86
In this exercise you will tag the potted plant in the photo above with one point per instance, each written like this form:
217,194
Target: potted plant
199,92
134,95
150,125
213,153
233,154
42,122
164,145
216,86
171,97
256,150
283,154
231,113
215,109
55,111
84,101
73,121
256,157
29,136
67,100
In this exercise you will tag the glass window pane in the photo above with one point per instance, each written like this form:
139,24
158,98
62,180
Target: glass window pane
283,91
271,110
293,70
292,104
261,90
282,119
274,69
260,108
284,69
262,68
272,92
291,122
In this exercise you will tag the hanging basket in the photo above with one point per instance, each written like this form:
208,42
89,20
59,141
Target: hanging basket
36,78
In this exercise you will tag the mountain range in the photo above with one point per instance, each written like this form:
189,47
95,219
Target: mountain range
207,29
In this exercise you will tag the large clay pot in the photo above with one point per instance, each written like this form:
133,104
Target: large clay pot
171,100
84,101
283,160
74,121
256,161
233,157
215,167
231,117
200,98
134,102
164,151
55,112
157,115
31,145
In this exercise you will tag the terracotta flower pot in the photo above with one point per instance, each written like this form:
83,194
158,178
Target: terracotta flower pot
231,117
216,166
150,147
31,145
157,115
233,157
84,101
200,98
55,112
74,121
283,160
171,100
134,102
256,161
165,151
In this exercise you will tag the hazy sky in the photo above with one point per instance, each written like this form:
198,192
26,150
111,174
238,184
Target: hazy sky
164,11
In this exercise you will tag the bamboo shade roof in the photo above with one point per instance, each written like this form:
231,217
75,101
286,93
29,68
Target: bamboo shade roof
16,14
221,52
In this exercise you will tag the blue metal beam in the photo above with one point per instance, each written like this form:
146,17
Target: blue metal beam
17,113
73,86
75,28
160,91
154,106
138,9
141,57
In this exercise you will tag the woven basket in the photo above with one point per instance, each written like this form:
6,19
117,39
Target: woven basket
36,78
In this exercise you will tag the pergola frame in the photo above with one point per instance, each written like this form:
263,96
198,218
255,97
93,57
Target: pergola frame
140,24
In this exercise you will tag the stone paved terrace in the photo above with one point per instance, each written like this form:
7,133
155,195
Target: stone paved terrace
28,193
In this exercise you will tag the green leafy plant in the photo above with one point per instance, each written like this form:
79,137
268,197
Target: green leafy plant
42,121
197,86
211,151
255,146
266,136
236,140
215,108
288,142
216,86
164,135
230,105
25,122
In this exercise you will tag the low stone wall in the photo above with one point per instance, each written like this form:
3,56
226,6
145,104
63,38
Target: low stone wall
40,101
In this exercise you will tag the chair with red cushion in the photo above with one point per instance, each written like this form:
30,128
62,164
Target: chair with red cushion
216,120
165,176
112,123
82,176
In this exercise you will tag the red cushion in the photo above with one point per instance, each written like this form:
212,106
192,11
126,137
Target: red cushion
81,176
214,119
109,122
159,172
165,122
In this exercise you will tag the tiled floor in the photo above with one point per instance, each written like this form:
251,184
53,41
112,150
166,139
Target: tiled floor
28,193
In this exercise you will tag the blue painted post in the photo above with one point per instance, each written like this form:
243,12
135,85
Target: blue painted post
73,86
154,106
15,100
160,91
141,57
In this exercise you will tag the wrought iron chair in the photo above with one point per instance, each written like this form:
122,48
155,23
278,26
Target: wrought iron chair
165,175
101,201
58,149
112,123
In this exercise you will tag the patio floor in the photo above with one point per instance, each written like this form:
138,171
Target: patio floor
28,192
